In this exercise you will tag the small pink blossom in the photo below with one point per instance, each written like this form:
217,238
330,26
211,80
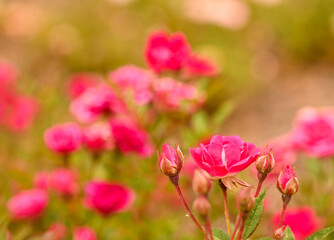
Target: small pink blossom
84,233
314,132
198,66
21,113
28,204
64,182
303,221
107,198
63,138
170,94
57,231
287,181
137,80
166,52
41,180
130,138
98,137
224,156
80,82
170,160
8,74
96,102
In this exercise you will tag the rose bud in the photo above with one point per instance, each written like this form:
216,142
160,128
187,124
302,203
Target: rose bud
57,231
201,182
287,181
28,204
84,233
170,160
279,233
265,163
202,206
245,200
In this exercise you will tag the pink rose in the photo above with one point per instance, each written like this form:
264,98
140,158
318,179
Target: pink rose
57,231
302,221
108,198
130,138
224,156
170,94
80,82
63,138
165,52
96,102
64,182
170,160
137,80
198,66
84,233
98,137
28,204
287,181
314,132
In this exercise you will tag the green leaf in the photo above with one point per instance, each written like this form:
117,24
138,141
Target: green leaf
288,234
219,234
3,228
322,234
254,216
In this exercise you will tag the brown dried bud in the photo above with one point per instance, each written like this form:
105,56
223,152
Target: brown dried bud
202,206
201,182
245,200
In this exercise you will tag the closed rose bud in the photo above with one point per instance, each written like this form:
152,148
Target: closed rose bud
201,183
265,163
279,233
287,181
202,206
170,160
245,200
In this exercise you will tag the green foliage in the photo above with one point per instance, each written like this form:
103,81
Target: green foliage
322,234
288,234
219,234
255,216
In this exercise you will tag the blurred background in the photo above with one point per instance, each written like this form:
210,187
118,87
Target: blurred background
275,56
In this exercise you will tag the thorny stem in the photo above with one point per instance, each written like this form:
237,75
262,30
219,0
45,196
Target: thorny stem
261,178
236,226
175,181
286,199
227,215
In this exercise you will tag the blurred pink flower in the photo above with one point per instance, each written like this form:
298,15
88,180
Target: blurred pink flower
21,113
28,204
63,138
224,156
303,221
169,93
80,82
108,198
314,132
84,233
8,74
95,102
41,180
136,79
130,138
98,137
64,182
166,52
198,66
57,231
